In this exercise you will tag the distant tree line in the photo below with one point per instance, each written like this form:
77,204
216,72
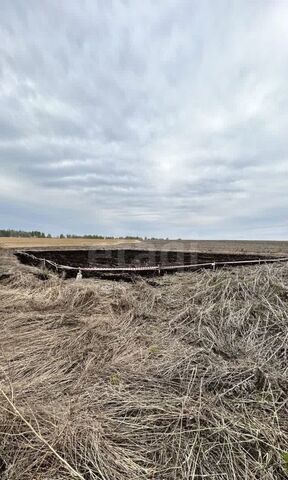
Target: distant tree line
104,237
37,234
107,237
22,233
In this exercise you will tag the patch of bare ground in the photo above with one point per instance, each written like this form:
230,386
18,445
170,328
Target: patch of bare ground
182,378
220,246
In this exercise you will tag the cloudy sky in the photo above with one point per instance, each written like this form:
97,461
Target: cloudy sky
158,118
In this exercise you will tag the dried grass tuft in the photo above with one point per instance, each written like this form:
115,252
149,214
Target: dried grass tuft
182,379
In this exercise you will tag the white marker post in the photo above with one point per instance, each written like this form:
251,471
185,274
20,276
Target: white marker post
79,275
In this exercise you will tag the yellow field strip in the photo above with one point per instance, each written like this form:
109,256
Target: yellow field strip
12,242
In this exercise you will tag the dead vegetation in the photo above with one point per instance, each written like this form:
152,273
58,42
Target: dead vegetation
183,378
26,242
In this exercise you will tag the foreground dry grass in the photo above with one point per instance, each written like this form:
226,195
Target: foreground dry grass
183,378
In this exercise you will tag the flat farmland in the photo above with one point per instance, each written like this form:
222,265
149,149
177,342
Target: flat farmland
19,242
221,246
225,246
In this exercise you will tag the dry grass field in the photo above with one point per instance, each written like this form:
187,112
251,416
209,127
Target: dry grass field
19,242
184,377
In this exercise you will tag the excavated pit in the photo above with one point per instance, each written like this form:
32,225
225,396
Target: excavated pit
113,262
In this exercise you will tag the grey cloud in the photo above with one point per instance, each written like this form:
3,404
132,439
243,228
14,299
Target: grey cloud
166,118
8,130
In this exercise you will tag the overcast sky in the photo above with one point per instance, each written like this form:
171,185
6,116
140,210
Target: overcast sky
158,118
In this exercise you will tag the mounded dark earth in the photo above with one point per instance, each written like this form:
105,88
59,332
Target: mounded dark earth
134,257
